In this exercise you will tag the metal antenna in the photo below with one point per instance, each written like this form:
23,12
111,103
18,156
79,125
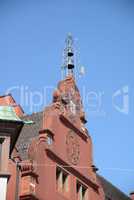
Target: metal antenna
68,57
71,62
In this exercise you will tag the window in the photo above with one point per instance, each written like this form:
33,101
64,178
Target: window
4,152
81,191
49,139
1,153
107,198
1,142
62,180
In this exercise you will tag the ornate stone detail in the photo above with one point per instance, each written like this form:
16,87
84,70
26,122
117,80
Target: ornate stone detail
72,118
28,181
26,166
73,149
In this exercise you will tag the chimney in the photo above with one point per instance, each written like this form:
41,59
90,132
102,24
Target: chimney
132,195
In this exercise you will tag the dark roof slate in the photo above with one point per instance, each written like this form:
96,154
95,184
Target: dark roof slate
28,133
111,192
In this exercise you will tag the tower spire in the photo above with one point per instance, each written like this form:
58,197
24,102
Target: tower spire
68,56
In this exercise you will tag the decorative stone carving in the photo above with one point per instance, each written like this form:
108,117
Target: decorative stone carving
73,148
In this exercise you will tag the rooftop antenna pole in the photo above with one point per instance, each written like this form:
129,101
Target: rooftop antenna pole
68,67
68,57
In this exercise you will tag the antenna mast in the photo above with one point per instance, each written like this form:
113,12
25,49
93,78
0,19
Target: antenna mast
68,57
68,66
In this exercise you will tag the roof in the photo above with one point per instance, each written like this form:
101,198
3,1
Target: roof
32,131
8,100
7,113
111,192
28,133
10,124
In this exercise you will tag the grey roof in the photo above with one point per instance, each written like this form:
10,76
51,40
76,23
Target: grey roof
111,192
31,131
28,133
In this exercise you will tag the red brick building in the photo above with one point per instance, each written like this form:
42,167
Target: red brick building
52,159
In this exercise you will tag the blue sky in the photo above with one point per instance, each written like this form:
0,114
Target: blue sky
32,35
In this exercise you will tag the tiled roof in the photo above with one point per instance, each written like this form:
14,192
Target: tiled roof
28,133
111,192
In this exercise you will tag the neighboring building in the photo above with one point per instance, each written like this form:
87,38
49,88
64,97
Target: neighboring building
111,192
9,100
10,128
53,157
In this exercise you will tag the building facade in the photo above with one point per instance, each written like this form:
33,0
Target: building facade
52,158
